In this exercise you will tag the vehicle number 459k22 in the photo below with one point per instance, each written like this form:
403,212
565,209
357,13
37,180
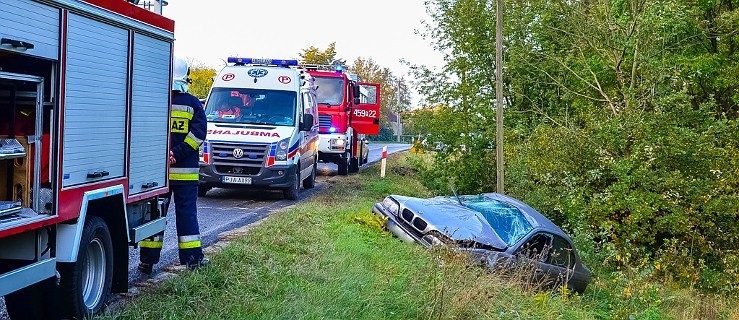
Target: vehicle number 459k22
365,113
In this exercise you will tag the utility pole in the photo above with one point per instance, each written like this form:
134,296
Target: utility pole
499,95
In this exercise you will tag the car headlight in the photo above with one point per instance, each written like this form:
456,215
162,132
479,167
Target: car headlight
391,205
282,147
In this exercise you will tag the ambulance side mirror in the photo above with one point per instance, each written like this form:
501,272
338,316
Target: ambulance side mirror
307,123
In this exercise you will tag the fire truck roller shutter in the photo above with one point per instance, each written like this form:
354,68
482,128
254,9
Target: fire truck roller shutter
95,101
149,114
26,23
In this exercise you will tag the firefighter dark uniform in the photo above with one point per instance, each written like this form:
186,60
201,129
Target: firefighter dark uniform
188,130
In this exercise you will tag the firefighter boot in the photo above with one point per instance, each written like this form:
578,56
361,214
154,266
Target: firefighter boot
146,268
192,265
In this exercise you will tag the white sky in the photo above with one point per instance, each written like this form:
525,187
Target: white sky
210,31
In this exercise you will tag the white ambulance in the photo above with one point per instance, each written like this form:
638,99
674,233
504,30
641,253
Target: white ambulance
262,128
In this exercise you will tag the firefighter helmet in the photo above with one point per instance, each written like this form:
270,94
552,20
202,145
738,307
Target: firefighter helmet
180,72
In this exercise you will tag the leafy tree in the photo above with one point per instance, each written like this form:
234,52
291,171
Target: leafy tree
201,78
314,55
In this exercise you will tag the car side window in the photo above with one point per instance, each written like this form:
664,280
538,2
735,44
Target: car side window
562,254
537,247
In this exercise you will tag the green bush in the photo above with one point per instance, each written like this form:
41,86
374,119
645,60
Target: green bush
664,182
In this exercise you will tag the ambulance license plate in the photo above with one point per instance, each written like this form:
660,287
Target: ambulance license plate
237,180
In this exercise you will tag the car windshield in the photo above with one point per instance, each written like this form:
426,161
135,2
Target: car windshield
251,106
330,90
507,221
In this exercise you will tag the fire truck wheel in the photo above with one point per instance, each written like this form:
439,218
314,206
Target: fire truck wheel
354,167
85,284
344,165
34,302
292,192
310,181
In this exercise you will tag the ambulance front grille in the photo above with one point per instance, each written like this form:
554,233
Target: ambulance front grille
251,160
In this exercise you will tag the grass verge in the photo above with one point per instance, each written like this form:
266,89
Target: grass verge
327,258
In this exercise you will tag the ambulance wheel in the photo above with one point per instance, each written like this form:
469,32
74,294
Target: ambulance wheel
292,192
33,302
310,181
85,284
354,167
344,165
203,190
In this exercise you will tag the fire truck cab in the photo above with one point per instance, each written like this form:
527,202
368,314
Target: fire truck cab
262,128
84,137
348,110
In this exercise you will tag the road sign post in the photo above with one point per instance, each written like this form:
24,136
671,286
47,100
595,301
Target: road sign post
384,162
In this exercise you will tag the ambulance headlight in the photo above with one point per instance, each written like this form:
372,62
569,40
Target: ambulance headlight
339,142
282,149
281,155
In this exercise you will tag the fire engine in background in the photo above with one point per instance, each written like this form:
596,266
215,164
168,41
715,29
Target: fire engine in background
84,118
262,128
347,111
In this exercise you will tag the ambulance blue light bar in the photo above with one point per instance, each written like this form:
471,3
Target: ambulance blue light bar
270,62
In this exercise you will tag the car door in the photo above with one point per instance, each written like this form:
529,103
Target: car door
560,262
533,254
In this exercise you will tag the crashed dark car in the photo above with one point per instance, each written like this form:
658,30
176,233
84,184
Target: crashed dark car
496,229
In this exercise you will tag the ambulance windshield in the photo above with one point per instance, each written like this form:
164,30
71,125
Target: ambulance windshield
330,91
251,106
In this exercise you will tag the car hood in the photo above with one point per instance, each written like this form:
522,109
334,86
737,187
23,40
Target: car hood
456,221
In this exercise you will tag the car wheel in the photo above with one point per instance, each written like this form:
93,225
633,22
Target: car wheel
344,165
292,192
310,181
85,284
35,302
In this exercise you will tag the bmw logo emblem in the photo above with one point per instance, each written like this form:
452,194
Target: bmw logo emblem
238,153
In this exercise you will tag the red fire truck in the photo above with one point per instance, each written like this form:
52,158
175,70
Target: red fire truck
84,119
347,111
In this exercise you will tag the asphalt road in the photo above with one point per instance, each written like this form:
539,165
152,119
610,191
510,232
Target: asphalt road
227,209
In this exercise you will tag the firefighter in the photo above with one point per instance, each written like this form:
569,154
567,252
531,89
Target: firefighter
188,130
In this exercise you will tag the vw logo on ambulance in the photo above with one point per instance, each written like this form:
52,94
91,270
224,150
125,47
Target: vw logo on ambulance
238,153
